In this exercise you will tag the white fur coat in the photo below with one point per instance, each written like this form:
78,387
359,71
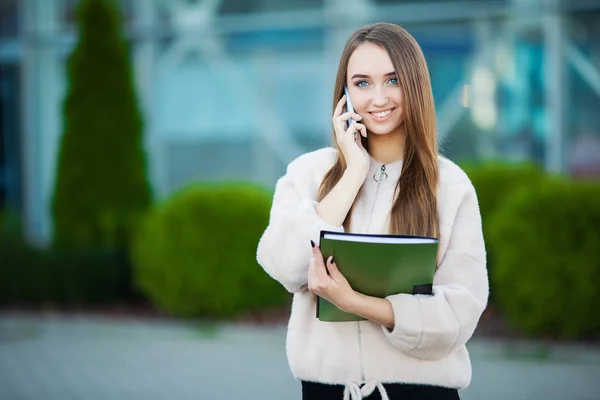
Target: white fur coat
427,345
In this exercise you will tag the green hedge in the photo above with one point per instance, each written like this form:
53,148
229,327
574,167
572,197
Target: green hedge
32,277
495,182
14,282
547,264
195,255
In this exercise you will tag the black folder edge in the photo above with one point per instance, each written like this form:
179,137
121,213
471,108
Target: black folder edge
426,288
423,289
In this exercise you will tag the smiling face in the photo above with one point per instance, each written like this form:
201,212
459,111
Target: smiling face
374,89
410,126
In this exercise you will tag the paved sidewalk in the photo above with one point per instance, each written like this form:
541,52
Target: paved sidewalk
69,358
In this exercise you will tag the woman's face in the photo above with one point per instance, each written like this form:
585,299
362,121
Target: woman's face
374,89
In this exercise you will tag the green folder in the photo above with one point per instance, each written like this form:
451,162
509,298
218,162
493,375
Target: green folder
379,266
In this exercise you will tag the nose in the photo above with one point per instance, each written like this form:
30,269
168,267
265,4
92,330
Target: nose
380,98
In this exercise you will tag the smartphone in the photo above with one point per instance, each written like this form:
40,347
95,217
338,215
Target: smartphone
349,107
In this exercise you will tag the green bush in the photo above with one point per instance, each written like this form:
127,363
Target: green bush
195,255
87,277
17,257
547,266
32,276
101,187
495,182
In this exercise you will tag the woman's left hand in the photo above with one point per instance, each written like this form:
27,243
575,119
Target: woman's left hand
333,287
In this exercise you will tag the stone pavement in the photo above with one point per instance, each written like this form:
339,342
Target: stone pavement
73,358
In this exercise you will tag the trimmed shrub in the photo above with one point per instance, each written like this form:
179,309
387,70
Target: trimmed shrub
195,255
31,276
16,256
495,182
101,187
547,265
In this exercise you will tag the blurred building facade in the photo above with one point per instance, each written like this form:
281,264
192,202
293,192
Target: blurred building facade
235,89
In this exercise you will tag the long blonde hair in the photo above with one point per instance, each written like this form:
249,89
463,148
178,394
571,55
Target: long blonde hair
415,209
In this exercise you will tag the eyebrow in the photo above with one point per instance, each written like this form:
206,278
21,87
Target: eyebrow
367,76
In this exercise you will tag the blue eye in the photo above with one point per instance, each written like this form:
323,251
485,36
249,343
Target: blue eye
360,83
394,81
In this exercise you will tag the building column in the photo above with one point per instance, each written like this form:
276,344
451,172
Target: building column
41,110
555,88
144,63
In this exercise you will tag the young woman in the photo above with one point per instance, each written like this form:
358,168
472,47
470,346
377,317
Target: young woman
384,176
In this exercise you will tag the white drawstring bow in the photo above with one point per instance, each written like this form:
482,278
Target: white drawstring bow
354,392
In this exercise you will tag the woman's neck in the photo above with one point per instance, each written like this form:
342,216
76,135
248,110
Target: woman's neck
387,148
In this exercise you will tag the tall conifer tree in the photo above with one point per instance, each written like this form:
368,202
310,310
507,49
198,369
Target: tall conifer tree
101,186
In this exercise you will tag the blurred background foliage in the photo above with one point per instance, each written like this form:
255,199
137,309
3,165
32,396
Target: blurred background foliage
196,253
189,250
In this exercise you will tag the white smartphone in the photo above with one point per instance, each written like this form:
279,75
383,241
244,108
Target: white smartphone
349,107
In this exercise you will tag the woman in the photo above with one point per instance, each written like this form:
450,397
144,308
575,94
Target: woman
384,176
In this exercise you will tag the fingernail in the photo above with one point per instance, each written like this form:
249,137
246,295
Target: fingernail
331,260
312,244
359,117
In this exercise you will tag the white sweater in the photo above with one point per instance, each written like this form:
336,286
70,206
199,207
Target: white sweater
427,345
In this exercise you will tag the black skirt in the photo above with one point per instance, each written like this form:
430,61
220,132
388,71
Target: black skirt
395,391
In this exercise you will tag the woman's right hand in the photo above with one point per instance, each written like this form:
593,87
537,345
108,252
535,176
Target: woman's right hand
349,141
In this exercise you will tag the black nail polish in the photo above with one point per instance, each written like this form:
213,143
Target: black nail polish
312,244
